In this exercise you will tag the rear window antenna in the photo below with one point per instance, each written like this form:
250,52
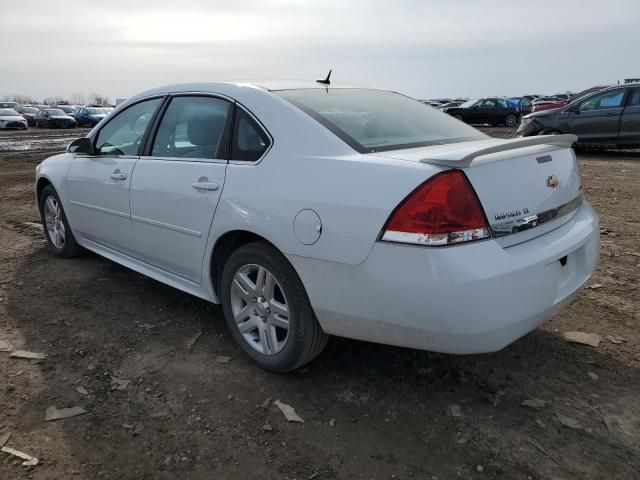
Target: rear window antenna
326,81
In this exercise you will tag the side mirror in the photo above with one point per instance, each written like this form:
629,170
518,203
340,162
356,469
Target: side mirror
82,145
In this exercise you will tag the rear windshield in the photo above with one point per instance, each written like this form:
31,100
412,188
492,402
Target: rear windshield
378,120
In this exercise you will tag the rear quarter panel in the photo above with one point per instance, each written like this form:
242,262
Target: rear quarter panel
352,195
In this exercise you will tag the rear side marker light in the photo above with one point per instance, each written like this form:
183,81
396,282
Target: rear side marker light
444,210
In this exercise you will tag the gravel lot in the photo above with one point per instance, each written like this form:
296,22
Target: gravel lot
370,411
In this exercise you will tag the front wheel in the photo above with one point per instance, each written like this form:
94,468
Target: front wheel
510,120
267,311
56,227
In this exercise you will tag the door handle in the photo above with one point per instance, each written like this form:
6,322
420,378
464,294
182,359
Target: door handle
200,185
118,175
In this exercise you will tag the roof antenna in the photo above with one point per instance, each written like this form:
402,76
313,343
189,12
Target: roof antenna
326,81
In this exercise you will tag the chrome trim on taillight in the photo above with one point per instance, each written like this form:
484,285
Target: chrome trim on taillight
436,240
531,221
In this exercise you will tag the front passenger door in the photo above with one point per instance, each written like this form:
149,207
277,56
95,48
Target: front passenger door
98,185
596,119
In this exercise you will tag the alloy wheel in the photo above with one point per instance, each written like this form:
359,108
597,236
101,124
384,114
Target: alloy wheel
53,221
260,309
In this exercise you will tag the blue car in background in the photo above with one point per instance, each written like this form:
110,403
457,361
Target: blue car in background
522,104
91,116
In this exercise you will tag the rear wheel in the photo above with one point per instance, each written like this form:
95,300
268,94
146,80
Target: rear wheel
510,120
57,231
267,310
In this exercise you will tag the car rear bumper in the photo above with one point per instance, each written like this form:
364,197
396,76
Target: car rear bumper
465,299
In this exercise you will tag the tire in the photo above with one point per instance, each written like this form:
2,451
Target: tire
510,120
458,117
277,348
60,241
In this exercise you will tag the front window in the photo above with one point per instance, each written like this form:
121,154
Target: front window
378,120
123,134
603,101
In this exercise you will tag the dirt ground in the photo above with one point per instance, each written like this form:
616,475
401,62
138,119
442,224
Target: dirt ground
370,411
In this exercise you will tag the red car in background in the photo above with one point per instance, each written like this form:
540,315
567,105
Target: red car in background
548,105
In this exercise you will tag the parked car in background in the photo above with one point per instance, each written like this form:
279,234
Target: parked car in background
523,104
91,116
9,118
561,102
454,103
68,109
460,253
11,105
54,118
29,113
493,111
608,118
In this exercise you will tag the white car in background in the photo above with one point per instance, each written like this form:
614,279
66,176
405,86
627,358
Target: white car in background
310,210
9,118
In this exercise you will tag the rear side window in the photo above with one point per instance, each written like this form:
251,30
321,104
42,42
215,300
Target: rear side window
250,141
194,127
377,120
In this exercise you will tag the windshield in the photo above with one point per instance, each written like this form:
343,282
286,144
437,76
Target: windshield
54,111
66,109
95,111
8,112
377,120
29,110
468,103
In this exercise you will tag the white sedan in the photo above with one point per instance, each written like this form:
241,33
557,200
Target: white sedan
9,118
310,210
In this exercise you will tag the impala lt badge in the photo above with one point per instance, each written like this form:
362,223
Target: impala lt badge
553,181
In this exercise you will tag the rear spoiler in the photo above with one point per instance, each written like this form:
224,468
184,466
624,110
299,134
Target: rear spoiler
463,156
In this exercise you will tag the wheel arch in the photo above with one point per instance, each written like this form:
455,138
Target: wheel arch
224,246
40,184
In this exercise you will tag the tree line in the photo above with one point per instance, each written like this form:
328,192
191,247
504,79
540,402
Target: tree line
73,99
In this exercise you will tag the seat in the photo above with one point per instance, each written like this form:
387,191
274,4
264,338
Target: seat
205,131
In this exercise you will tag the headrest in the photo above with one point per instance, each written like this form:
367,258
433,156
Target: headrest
205,129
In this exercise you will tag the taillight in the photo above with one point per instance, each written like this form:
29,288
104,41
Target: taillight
444,210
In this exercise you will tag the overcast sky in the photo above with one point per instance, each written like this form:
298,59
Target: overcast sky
422,48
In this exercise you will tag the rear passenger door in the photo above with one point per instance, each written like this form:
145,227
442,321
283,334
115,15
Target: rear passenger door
630,120
177,183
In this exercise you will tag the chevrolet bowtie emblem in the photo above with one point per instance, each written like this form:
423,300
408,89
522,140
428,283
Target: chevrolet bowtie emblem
553,181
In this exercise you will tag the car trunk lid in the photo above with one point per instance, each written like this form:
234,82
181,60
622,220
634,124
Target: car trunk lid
526,186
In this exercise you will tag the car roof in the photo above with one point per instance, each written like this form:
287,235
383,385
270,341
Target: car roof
234,87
